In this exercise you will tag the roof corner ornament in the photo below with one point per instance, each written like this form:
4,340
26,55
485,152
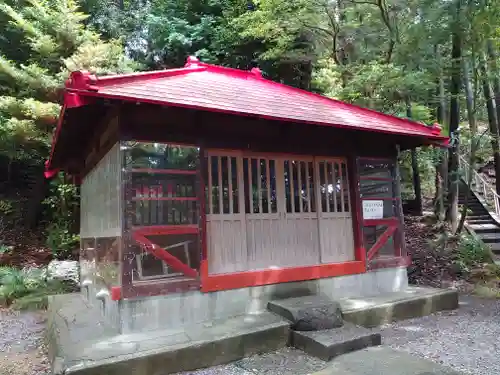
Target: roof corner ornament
256,72
192,61
436,128
81,80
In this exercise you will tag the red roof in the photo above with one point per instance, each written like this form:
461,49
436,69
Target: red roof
215,88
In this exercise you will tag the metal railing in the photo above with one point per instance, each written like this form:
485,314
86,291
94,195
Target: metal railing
479,185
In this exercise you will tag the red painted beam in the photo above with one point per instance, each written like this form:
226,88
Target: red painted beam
164,255
382,240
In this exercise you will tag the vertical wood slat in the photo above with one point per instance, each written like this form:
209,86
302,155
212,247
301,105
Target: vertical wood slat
327,193
299,178
342,187
221,190
250,192
308,189
268,184
210,192
241,184
334,186
259,185
299,184
291,186
347,187
230,183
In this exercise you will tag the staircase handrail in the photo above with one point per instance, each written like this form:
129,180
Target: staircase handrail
480,185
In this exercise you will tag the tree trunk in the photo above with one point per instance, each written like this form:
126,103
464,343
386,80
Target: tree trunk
474,142
469,98
492,54
414,166
441,182
492,117
456,79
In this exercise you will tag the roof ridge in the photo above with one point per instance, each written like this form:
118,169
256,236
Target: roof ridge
84,80
193,61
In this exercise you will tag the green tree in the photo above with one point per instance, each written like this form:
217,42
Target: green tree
53,41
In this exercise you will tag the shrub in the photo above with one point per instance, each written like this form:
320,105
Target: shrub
6,207
27,288
61,241
472,252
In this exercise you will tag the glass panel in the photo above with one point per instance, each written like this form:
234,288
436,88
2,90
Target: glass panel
162,199
373,168
162,208
259,177
161,156
87,259
185,248
334,186
101,225
376,189
299,186
108,260
371,234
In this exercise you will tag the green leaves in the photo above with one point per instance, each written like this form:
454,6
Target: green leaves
53,41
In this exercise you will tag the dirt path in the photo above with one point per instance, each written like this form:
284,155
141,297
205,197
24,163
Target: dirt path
21,349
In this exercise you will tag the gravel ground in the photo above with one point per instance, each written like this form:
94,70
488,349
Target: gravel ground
465,339
21,349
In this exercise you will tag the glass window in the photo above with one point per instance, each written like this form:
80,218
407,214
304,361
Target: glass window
380,202
163,210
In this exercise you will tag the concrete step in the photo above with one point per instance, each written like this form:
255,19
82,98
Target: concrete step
168,351
477,209
489,237
495,247
330,343
385,308
481,221
478,216
485,228
384,360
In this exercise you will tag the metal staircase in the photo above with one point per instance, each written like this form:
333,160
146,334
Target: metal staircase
483,204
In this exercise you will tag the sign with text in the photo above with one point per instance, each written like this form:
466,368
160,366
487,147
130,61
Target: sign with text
373,209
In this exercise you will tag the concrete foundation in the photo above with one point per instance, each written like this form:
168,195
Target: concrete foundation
184,309
80,341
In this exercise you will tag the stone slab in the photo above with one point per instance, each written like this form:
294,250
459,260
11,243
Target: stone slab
484,227
331,343
385,308
381,360
171,351
309,313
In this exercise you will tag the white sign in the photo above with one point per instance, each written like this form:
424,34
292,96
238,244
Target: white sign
373,210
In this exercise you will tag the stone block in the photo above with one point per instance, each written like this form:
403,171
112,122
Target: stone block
414,302
382,360
309,313
330,343
205,346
